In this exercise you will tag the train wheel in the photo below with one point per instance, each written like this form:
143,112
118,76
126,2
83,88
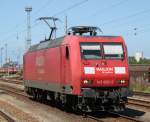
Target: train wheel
44,95
35,94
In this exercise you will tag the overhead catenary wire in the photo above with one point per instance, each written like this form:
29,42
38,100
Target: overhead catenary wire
47,3
103,24
56,14
44,6
109,7
126,17
130,26
135,31
125,24
70,7
14,33
66,10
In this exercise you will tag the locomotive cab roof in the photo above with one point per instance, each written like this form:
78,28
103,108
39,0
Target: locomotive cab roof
81,30
85,31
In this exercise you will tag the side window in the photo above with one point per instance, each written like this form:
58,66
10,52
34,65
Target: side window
67,52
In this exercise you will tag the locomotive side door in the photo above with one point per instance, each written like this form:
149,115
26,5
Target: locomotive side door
65,66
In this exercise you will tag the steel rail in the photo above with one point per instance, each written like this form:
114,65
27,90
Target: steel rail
18,92
141,94
11,81
139,102
126,117
92,117
7,116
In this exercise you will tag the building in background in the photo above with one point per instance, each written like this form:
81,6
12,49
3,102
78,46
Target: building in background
138,56
139,72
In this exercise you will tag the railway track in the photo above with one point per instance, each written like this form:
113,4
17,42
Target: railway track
12,81
126,117
12,90
20,93
117,116
17,92
139,102
142,94
141,99
7,116
94,118
132,101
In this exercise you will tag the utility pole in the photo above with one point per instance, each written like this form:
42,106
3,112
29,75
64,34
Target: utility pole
28,41
66,24
6,53
1,51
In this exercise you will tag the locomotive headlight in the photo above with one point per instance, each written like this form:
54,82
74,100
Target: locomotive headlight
87,82
121,81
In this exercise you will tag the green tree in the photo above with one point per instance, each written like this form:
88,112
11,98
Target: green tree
132,60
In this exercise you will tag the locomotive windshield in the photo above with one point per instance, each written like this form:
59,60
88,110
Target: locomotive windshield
90,50
94,50
113,51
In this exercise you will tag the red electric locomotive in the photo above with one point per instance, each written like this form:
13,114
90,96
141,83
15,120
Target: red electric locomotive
81,70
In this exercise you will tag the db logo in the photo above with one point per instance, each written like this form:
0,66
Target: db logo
40,61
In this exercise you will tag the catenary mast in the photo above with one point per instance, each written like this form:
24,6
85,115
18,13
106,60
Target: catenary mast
28,39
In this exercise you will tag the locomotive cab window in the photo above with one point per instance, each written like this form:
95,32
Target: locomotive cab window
113,51
90,50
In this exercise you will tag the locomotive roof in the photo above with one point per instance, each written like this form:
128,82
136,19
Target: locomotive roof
56,42
46,44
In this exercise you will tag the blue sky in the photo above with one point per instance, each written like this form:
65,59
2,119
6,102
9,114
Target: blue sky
114,17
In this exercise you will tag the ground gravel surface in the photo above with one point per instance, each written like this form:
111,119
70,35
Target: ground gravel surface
3,119
18,86
17,113
31,111
141,113
34,111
